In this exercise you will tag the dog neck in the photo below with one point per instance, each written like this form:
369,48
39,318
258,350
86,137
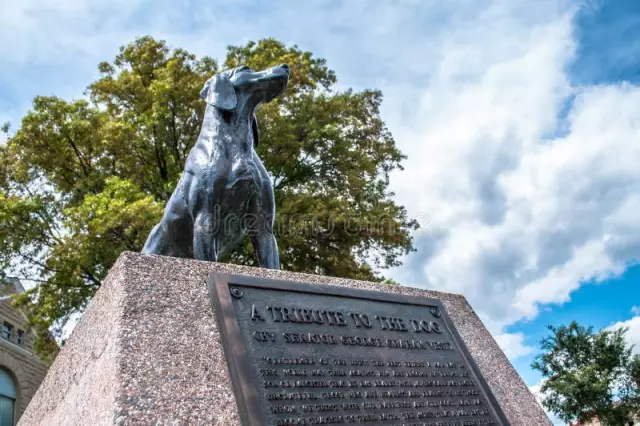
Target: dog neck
231,127
242,114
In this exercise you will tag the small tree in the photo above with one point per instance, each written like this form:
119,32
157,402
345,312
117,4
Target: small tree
589,374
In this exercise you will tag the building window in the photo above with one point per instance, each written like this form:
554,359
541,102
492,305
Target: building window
7,399
7,331
20,337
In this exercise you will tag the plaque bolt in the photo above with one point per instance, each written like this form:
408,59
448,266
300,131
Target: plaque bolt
236,292
436,312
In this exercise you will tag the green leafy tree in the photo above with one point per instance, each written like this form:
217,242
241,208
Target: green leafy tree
589,374
81,181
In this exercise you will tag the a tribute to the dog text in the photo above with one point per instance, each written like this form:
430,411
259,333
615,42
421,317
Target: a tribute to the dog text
318,362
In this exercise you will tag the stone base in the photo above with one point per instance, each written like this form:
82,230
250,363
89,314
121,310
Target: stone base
147,351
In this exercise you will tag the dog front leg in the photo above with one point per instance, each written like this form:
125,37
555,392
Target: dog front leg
266,249
205,239
154,244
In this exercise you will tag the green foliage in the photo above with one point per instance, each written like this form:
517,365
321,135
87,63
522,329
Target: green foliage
81,181
589,374
635,370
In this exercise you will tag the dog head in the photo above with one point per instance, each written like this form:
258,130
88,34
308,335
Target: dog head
224,89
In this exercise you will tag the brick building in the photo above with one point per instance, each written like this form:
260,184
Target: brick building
596,422
20,370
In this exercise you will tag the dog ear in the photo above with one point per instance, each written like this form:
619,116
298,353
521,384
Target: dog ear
254,127
219,92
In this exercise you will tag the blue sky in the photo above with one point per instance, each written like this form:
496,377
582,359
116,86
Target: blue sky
520,120
607,35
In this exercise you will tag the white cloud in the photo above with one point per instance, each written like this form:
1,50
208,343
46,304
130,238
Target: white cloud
635,310
633,333
520,215
36,32
512,344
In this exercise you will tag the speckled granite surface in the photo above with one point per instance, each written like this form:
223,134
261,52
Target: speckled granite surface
147,351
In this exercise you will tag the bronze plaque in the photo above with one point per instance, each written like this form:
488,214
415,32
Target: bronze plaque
308,354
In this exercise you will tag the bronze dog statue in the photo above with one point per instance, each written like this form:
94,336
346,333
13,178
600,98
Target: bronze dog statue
224,193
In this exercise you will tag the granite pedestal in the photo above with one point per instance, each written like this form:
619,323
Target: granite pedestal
147,351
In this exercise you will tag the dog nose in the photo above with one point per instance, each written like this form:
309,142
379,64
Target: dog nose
285,67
